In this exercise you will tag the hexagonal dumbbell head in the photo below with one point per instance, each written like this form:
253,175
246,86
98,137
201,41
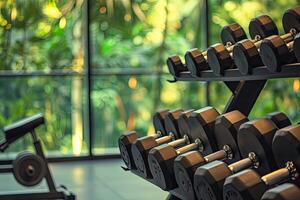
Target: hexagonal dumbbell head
246,56
232,33
161,159
291,19
218,55
226,131
280,119
185,165
246,184
274,53
256,136
209,180
196,62
202,124
219,58
183,122
171,122
158,120
175,65
210,177
245,53
262,26
142,146
125,141
286,145
285,191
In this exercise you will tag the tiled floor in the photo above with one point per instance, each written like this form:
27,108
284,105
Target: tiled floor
93,180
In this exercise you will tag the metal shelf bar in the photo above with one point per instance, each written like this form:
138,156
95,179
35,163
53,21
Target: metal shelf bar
259,73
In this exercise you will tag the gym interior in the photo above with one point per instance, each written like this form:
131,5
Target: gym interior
150,99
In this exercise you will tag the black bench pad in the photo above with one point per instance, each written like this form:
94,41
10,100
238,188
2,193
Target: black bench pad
18,129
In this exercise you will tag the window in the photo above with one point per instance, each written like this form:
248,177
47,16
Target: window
44,66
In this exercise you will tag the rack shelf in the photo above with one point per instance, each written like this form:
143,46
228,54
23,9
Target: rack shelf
259,73
245,91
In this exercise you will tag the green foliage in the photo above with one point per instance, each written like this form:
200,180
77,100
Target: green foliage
46,35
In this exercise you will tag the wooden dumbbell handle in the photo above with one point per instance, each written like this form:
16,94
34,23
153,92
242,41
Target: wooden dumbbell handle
280,175
193,146
226,152
250,161
165,139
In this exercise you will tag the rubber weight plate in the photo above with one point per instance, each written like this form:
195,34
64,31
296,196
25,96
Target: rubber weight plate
29,169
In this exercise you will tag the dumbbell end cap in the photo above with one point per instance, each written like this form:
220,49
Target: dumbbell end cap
285,191
232,33
209,178
139,150
246,56
184,174
219,59
125,141
160,159
246,184
158,121
291,19
195,62
270,57
175,65
262,26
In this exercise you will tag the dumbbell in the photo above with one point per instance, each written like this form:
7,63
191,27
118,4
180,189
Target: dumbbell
196,61
142,146
286,191
249,185
185,165
276,51
175,65
246,52
220,56
126,140
161,158
255,143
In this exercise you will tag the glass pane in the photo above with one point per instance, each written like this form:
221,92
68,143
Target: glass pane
226,12
219,95
60,99
122,103
142,34
41,35
279,95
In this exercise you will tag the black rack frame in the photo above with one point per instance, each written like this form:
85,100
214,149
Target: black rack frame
245,91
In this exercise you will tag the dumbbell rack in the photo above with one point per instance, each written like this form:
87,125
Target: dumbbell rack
245,91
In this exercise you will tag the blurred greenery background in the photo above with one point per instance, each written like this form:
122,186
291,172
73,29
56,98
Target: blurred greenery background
130,40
